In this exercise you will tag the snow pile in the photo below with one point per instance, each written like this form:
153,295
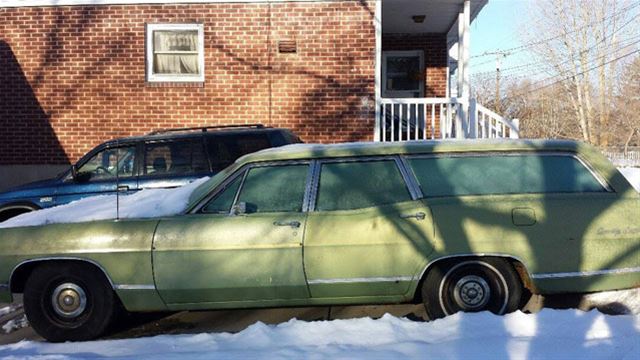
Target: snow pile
5,310
15,324
146,203
633,176
565,334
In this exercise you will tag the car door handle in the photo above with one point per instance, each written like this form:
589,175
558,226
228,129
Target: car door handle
293,224
418,216
122,188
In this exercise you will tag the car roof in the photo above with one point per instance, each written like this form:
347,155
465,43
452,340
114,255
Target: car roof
316,151
171,135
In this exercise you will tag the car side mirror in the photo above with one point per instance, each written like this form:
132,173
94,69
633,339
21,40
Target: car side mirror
239,209
74,172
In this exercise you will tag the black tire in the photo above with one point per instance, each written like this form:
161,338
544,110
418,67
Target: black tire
76,320
471,285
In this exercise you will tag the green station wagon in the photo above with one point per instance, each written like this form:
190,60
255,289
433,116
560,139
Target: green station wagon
458,226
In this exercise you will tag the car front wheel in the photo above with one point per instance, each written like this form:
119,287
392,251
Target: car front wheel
69,302
471,285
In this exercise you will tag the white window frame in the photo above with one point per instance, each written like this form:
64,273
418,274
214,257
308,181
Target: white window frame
151,77
402,93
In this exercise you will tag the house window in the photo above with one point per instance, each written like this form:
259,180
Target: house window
403,74
175,53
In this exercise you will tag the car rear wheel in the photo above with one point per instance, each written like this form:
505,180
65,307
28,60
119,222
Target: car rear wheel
471,285
69,302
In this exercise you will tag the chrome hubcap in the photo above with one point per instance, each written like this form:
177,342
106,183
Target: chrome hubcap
471,292
69,300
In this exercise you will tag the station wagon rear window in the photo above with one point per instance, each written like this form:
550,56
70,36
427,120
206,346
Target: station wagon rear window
503,174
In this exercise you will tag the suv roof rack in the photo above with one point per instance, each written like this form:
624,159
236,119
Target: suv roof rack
205,128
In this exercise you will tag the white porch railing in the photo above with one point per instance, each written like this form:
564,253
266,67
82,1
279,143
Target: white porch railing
439,118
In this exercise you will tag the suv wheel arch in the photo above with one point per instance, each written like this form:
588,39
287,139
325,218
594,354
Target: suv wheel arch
11,210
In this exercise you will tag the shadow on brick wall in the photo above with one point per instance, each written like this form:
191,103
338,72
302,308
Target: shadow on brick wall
26,135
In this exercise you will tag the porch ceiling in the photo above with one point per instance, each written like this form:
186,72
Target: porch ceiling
440,15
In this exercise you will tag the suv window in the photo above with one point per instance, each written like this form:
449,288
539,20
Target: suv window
175,157
274,188
102,166
503,174
361,184
225,149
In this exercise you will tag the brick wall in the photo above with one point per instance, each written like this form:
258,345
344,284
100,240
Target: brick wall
72,77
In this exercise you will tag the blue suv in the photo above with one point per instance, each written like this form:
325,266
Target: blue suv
162,159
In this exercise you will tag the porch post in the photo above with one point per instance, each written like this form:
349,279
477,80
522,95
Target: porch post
466,41
462,118
377,23
460,55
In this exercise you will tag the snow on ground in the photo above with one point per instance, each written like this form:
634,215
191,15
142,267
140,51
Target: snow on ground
146,203
5,310
550,334
633,175
618,302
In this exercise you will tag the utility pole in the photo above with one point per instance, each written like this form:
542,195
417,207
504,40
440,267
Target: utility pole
499,56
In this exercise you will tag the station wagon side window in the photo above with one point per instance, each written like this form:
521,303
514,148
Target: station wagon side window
222,202
360,184
503,174
175,157
102,166
274,188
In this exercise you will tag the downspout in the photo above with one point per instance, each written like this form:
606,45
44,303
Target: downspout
377,24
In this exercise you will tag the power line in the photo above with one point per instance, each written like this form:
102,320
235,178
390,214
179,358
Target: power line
577,74
525,46
623,44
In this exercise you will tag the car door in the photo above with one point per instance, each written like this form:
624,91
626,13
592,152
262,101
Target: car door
251,254
173,163
98,175
367,235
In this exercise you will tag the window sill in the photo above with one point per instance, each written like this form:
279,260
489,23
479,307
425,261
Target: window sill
176,84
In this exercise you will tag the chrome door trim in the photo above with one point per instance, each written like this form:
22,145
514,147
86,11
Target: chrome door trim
410,177
563,275
134,287
311,186
359,280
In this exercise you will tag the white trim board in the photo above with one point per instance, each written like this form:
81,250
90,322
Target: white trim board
33,3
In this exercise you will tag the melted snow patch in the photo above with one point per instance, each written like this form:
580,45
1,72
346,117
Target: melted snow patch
566,334
146,203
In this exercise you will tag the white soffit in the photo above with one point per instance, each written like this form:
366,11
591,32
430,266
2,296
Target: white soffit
440,15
